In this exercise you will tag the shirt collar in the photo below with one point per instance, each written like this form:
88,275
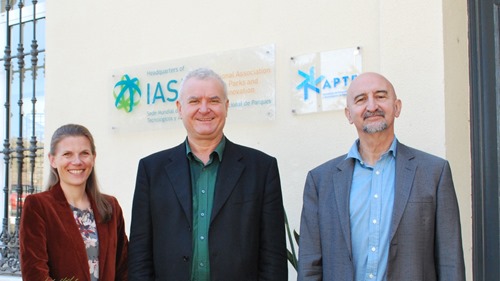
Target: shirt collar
219,150
354,151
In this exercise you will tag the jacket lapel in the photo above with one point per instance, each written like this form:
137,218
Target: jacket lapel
177,169
73,233
405,172
103,236
343,175
230,170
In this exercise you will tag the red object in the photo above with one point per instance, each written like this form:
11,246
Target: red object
13,200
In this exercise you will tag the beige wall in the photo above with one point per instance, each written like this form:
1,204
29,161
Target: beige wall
456,89
420,45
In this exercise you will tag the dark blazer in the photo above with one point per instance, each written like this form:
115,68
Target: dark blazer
52,246
246,236
426,241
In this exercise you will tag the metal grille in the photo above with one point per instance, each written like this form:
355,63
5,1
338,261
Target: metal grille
24,65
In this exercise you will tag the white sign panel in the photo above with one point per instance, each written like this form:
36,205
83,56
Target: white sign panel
320,80
143,97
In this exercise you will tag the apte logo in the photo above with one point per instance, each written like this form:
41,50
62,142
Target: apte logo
128,89
309,82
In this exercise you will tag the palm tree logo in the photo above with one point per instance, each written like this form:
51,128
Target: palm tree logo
125,99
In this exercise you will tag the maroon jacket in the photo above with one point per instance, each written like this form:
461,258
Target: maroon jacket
52,246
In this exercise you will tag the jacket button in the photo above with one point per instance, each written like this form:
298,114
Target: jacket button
185,258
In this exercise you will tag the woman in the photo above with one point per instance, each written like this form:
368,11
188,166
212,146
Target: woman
72,231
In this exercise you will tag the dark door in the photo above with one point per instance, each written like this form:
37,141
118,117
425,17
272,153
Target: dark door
484,43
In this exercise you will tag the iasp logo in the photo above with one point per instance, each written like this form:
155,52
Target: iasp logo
127,93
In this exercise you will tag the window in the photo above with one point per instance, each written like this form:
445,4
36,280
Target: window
22,94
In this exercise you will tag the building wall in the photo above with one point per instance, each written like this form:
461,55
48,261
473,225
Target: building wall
421,46
457,114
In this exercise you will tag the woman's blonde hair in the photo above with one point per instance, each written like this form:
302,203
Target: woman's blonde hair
92,187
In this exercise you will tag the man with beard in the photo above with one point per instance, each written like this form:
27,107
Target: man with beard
383,211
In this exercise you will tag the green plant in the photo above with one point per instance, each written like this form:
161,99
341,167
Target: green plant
291,255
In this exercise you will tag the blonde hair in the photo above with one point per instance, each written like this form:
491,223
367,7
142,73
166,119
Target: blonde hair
92,187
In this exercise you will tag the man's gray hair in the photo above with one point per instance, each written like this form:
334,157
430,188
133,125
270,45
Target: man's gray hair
202,74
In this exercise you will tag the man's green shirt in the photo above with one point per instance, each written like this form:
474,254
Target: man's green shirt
203,179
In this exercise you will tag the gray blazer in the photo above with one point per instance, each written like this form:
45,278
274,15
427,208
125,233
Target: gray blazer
426,242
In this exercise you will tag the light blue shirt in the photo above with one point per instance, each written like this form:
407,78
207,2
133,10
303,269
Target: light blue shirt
370,206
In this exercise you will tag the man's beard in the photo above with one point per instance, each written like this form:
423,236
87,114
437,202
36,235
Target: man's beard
375,128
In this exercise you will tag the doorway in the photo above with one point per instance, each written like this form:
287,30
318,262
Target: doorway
484,47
